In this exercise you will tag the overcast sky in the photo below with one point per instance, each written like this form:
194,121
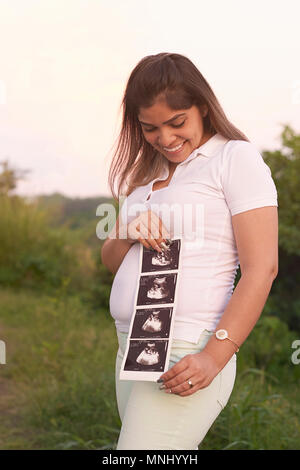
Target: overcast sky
64,65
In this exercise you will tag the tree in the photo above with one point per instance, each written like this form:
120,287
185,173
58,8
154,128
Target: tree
285,167
9,178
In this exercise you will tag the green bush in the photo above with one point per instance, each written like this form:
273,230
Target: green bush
285,167
268,350
31,253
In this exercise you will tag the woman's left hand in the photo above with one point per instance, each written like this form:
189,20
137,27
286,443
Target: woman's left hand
200,368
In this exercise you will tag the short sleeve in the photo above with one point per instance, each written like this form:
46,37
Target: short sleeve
246,179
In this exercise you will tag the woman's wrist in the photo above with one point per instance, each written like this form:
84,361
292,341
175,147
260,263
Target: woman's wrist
220,351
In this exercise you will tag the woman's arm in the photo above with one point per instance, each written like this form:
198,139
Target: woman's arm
241,314
256,234
114,249
113,252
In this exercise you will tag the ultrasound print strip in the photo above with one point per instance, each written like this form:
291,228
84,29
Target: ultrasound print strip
150,334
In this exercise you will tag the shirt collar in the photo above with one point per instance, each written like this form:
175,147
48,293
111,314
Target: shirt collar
208,149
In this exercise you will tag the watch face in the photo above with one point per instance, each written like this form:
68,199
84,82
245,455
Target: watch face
221,334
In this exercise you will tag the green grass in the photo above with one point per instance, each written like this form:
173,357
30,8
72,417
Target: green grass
58,390
59,364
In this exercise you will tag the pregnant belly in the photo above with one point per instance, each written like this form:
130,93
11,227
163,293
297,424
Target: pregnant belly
123,290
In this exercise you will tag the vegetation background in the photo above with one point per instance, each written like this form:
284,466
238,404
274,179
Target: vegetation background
57,387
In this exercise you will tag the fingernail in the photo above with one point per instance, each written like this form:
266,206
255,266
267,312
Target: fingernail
162,387
159,381
163,246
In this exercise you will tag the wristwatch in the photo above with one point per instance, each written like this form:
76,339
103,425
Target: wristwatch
223,334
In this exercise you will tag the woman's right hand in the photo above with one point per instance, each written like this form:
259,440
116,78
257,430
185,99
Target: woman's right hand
148,229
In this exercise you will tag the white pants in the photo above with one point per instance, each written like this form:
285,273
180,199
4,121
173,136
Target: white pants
153,419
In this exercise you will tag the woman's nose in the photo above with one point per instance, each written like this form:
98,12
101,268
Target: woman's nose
166,139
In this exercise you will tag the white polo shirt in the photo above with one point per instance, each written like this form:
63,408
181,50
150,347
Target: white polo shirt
219,179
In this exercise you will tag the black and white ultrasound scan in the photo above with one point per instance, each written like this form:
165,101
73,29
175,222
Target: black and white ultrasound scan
156,289
152,322
166,260
146,355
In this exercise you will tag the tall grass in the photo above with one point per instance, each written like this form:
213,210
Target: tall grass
60,367
60,358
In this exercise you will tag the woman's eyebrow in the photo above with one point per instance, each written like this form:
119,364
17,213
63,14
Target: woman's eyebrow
167,122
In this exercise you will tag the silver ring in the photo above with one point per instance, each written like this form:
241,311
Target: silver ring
190,383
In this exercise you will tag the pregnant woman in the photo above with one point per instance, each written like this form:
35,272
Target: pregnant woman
185,170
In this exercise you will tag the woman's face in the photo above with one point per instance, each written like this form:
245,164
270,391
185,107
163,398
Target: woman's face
178,130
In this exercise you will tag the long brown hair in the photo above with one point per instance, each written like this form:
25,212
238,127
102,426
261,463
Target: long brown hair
135,162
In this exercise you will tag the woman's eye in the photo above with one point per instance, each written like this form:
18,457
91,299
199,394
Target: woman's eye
173,125
179,125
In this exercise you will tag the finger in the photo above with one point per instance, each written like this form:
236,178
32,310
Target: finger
153,226
133,230
186,390
157,228
181,383
198,384
147,242
178,368
164,233
190,391
150,241
137,232
144,243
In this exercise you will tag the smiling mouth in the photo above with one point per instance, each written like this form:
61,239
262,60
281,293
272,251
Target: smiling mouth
175,149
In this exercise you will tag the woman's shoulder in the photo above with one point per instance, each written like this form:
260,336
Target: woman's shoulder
240,160
242,146
241,149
